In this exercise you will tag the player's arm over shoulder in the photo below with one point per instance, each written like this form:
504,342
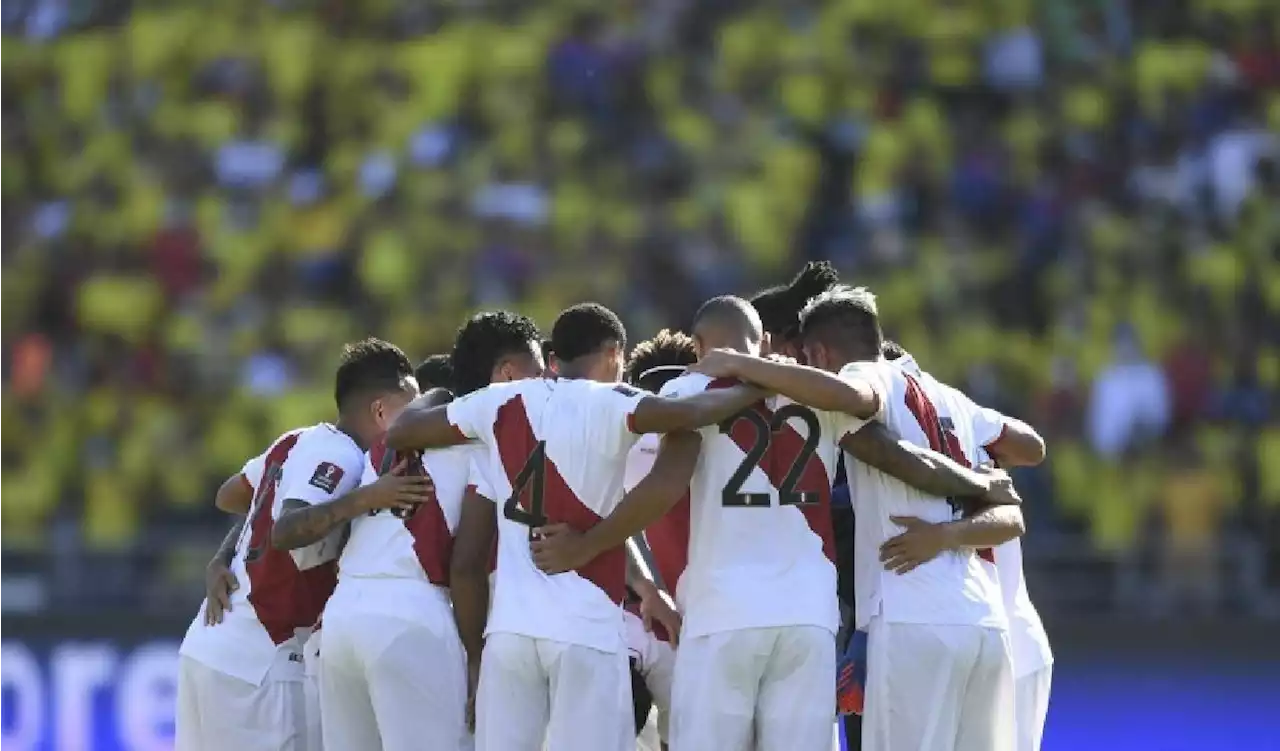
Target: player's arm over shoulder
877,447
429,422
846,393
316,482
686,405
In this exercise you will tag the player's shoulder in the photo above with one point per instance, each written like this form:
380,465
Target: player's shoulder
325,438
685,384
878,372
455,460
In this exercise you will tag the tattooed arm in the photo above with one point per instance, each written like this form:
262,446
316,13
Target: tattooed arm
219,582
302,524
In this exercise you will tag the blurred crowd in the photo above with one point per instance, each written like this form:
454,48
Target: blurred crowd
1070,208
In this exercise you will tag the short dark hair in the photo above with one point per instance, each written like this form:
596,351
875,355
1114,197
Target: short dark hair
726,306
484,340
436,370
891,350
669,350
779,307
849,313
369,368
585,329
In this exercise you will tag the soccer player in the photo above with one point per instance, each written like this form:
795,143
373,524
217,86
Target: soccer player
555,665
241,682
1011,443
652,364
392,669
491,347
757,653
936,631
779,307
434,372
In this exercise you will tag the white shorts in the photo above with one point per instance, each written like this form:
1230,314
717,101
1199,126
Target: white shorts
1031,694
936,687
574,697
216,711
393,684
656,663
773,685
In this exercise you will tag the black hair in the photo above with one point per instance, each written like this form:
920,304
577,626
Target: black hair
484,340
585,329
671,351
891,350
847,313
369,368
436,370
779,307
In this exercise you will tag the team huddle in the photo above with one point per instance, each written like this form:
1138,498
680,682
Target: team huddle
529,544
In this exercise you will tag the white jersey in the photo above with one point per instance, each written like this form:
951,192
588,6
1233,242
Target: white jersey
1027,638
761,551
668,537
413,546
953,589
556,451
281,593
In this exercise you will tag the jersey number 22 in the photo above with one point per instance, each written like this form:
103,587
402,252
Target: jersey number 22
762,448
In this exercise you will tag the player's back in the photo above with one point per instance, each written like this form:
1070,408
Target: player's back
984,426
760,545
953,588
668,537
556,453
414,544
277,595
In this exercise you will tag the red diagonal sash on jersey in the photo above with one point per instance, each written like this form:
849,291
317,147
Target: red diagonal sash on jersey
940,439
432,542
560,504
282,597
785,445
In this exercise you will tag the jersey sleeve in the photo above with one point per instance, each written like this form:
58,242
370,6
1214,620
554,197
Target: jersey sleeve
320,470
987,424
615,406
473,415
477,481
252,471
868,373
640,460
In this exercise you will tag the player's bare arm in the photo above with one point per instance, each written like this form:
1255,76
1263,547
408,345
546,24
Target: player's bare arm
1019,445
810,386
424,424
658,414
302,524
653,605
235,496
219,582
927,470
922,541
469,582
559,548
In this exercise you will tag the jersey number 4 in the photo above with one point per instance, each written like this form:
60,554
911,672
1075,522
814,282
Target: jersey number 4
760,450
532,479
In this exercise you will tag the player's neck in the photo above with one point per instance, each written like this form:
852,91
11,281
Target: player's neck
345,424
582,371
